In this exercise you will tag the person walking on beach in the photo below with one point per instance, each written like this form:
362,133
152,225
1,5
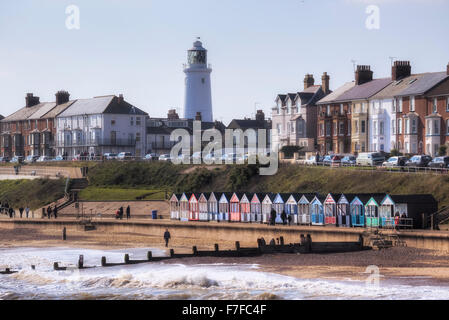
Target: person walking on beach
128,212
166,237
21,212
27,211
121,213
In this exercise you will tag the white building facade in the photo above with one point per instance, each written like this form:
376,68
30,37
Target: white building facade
101,125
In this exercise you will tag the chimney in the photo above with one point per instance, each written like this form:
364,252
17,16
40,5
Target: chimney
325,83
308,81
62,97
363,75
260,116
120,98
400,70
198,116
172,114
31,100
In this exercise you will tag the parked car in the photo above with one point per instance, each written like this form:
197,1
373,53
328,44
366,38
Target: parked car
370,159
348,160
17,159
4,159
58,158
44,159
110,156
124,156
311,161
395,162
439,162
164,157
419,161
149,157
327,160
31,159
336,160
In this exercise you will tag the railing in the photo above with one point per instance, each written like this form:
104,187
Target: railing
163,145
96,142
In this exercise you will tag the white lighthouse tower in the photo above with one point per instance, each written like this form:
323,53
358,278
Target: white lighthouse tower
198,97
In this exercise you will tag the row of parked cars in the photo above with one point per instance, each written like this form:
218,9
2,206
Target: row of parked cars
379,159
198,155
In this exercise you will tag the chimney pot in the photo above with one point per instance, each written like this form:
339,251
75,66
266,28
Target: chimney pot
325,83
62,97
308,81
400,70
260,115
363,75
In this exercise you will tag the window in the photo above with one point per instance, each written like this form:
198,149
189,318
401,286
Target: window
138,121
407,126
414,126
363,126
278,127
436,127
328,110
132,121
335,128
381,127
138,137
341,128
394,105
341,108
447,126
356,126
349,127
328,129
293,127
112,122
393,127
447,104
399,126
288,127
374,127
412,104
289,106
434,108
321,129
400,105
203,81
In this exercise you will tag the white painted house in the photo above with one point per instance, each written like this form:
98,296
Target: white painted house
101,125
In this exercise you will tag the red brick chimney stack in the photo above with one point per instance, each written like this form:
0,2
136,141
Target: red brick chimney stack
62,97
31,100
363,75
308,81
325,83
400,70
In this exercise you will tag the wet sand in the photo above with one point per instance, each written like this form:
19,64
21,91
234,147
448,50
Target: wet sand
431,267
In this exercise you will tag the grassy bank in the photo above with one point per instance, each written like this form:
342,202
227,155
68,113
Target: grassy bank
32,193
120,194
290,178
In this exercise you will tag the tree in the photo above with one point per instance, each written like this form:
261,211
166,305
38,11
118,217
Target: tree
442,151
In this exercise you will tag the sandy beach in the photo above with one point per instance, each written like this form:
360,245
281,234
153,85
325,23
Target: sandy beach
393,263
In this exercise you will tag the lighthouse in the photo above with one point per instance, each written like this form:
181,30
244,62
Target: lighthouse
198,97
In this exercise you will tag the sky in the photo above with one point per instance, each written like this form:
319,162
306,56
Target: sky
257,48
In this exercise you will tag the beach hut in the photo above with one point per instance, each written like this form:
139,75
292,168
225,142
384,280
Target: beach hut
184,207
343,212
174,206
372,208
291,207
304,208
317,210
223,206
203,207
245,209
279,206
234,211
357,209
416,208
267,205
256,207
387,212
330,210
212,205
194,210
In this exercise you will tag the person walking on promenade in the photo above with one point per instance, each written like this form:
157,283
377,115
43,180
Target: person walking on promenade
273,217
121,213
21,212
117,214
27,211
289,219
284,217
128,212
11,212
166,237
55,212
49,212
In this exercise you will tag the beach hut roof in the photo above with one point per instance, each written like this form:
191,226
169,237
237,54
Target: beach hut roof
281,197
187,196
377,198
212,197
260,196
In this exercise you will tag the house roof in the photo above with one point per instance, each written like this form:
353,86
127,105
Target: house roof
412,85
364,91
53,113
337,93
24,113
249,124
312,89
99,105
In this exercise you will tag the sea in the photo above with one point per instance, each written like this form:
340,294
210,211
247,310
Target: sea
162,281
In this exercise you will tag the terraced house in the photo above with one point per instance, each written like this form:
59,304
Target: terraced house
294,119
409,115
100,125
31,130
